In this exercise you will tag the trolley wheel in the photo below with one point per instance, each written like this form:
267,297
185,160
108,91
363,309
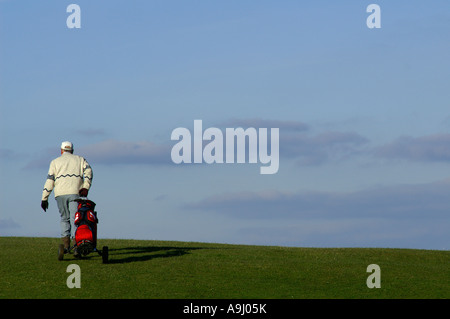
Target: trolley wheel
105,254
61,252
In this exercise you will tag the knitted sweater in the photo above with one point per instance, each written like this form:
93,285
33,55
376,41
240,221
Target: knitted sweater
67,175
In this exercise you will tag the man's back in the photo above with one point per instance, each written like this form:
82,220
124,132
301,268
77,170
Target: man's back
67,175
68,164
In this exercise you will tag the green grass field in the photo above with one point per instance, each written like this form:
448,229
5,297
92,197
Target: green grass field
177,270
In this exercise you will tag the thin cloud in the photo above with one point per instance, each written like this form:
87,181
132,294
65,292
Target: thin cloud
8,154
432,148
6,224
112,152
42,161
350,232
263,123
402,201
91,132
297,142
405,216
321,148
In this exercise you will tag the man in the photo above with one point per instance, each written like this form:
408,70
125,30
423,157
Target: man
71,177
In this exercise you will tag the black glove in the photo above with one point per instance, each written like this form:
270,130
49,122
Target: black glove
83,192
44,205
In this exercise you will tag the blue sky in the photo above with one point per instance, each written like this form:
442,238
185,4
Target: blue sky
364,118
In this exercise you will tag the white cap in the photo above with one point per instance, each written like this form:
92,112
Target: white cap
66,146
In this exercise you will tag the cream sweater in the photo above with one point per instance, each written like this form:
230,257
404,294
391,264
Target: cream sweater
67,175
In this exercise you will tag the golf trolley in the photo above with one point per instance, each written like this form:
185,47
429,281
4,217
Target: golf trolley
86,232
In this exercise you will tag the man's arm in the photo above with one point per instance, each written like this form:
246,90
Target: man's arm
87,179
48,187
49,183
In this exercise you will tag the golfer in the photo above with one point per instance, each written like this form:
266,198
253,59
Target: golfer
71,177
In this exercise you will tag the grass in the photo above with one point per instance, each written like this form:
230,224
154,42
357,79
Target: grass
185,270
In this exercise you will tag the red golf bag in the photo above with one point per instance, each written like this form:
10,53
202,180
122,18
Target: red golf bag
86,223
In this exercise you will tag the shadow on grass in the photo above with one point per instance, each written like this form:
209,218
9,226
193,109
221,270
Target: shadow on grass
142,253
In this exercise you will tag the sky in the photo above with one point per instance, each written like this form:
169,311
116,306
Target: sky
363,117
